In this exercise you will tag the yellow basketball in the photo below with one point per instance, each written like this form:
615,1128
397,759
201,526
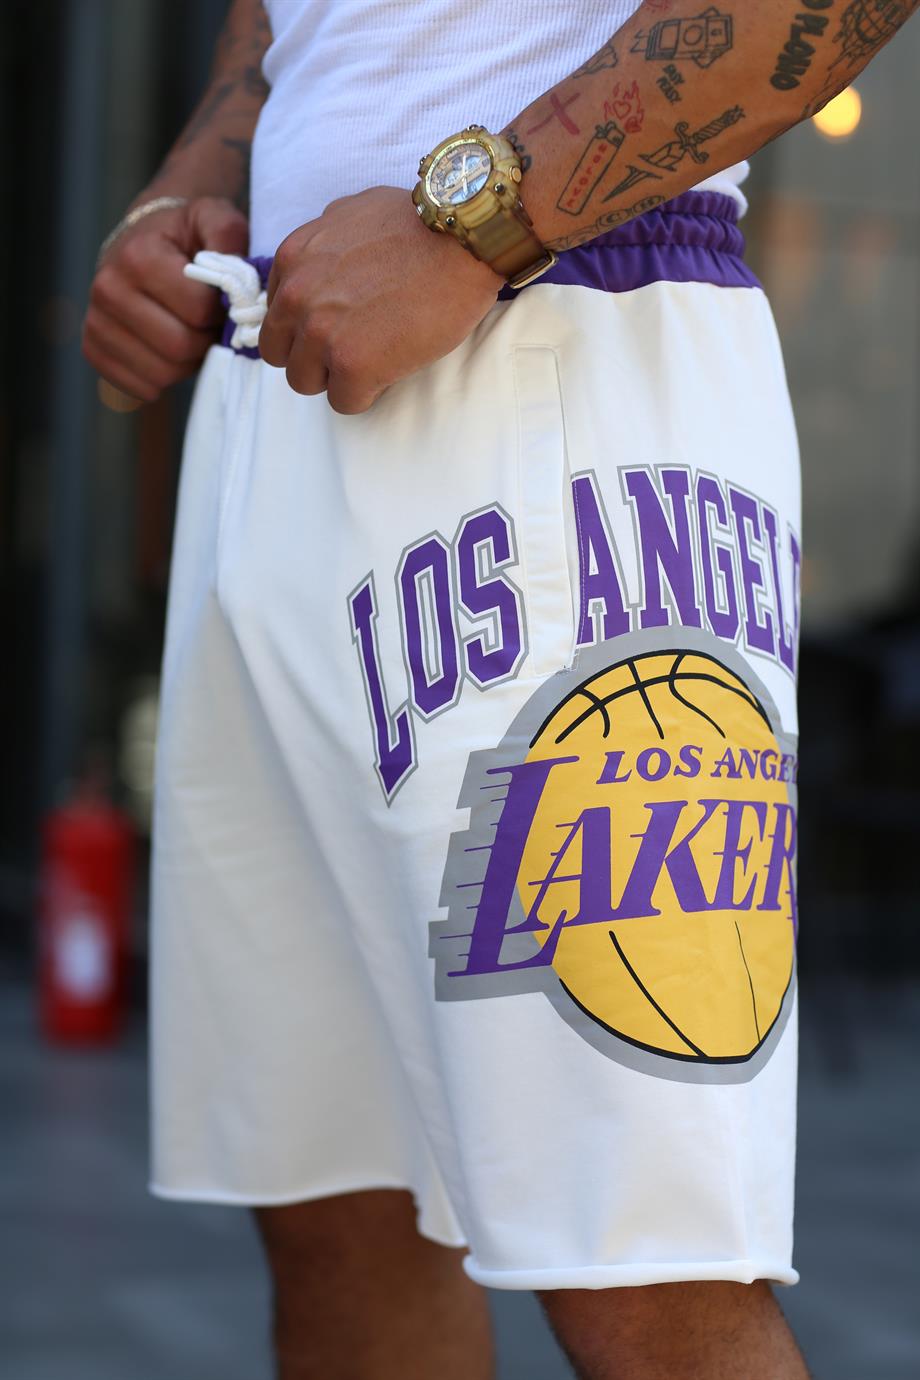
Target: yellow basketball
665,838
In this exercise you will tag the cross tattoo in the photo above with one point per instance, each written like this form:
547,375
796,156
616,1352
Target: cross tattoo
568,124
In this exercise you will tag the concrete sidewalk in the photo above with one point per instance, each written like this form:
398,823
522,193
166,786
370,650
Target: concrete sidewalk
100,1282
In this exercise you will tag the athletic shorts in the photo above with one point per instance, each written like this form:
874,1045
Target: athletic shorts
475,810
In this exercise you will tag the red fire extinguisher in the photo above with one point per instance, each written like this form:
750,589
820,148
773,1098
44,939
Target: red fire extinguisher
86,889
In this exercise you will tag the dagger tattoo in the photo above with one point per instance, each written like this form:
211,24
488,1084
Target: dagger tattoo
685,144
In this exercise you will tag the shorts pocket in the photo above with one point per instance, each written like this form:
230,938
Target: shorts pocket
546,524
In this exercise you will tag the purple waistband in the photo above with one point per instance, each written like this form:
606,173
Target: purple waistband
693,239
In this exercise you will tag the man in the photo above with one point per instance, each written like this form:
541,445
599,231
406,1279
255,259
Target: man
474,872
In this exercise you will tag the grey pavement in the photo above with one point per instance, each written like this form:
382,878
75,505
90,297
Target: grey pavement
98,1281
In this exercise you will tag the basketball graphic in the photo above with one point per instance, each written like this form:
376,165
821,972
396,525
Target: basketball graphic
697,956
631,854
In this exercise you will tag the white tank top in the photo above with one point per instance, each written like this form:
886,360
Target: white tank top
362,89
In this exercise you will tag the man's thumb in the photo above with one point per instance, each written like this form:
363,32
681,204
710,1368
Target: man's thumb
218,224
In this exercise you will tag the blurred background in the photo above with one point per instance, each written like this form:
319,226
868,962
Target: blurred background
98,1280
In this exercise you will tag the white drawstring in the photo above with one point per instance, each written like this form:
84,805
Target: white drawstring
241,282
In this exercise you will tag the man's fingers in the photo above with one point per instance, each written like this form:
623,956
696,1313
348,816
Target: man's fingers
117,373
160,329
276,339
196,304
352,386
288,257
105,339
305,367
218,225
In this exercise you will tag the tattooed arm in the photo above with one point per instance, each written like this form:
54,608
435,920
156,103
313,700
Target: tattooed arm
681,92
147,325
365,294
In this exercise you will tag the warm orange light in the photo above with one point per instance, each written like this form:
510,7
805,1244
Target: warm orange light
114,399
840,116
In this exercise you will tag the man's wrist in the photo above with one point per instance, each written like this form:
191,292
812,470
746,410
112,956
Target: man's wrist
469,190
138,212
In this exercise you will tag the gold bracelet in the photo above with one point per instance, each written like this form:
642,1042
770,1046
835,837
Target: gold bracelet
159,203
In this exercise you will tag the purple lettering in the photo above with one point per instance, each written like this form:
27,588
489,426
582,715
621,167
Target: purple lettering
666,548
726,761
593,877
644,764
734,852
690,764
528,781
796,555
656,851
782,864
747,761
428,564
599,583
610,774
758,633
721,614
393,736
785,646
483,549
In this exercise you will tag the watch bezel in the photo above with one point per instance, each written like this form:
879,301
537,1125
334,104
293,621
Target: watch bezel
443,151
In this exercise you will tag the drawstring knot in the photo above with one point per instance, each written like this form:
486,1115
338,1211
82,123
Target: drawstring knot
240,283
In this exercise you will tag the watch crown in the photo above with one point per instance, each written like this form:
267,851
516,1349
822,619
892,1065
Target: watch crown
515,174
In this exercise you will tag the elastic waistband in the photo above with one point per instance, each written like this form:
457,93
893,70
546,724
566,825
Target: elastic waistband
695,238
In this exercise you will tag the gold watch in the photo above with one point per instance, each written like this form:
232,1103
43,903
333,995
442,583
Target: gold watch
469,187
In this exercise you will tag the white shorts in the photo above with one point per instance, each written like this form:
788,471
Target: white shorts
474,834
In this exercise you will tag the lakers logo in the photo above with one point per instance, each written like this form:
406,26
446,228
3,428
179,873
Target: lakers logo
631,853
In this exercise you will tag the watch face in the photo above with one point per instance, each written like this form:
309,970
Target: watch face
458,174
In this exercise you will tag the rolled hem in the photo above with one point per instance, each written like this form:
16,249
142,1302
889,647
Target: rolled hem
219,1197
629,1276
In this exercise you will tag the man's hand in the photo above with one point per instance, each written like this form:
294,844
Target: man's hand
365,295
147,325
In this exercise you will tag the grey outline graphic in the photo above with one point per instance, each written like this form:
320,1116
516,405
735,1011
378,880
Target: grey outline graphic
482,793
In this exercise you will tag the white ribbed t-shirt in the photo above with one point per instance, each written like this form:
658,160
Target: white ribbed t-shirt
362,89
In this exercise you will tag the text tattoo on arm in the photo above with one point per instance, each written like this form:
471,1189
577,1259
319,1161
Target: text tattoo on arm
608,221
864,26
603,146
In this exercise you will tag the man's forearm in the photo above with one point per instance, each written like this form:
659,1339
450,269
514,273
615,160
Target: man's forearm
680,92
211,155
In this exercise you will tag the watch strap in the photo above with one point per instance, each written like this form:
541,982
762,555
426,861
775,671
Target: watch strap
507,243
